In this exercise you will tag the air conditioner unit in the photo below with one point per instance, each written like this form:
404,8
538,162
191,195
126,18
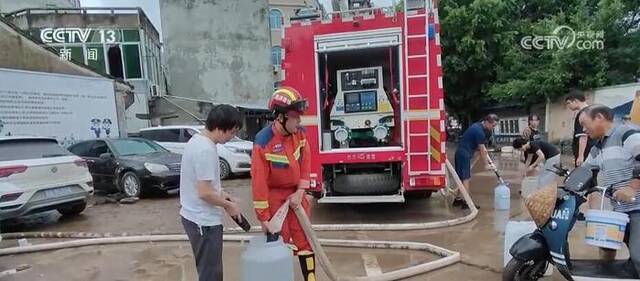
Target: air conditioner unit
154,91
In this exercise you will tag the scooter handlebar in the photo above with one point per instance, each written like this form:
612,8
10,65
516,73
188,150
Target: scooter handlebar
608,193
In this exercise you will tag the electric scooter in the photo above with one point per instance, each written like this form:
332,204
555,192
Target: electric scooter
533,252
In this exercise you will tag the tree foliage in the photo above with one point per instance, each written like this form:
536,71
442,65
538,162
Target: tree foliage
484,61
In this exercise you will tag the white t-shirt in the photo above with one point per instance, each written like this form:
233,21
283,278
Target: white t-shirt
199,162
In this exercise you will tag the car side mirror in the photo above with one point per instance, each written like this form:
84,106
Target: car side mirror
636,173
106,156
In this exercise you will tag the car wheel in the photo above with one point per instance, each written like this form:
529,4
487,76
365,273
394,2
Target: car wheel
72,210
225,169
130,185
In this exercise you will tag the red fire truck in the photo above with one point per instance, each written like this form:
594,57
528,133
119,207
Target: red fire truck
373,79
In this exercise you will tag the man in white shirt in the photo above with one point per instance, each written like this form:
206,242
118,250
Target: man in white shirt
201,195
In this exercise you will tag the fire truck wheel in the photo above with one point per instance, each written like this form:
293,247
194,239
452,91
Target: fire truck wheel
368,184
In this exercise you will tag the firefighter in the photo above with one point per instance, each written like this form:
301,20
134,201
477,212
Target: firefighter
280,170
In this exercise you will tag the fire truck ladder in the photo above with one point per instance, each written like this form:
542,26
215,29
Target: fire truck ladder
416,54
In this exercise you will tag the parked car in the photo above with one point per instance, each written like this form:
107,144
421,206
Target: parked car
235,155
134,166
38,175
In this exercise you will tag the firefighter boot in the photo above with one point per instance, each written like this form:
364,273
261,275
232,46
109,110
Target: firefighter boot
308,265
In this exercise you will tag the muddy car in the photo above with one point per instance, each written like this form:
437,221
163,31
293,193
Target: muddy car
133,166
38,175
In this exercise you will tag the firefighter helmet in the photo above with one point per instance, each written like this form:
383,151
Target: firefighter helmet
286,99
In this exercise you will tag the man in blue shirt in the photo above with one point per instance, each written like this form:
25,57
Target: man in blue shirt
471,141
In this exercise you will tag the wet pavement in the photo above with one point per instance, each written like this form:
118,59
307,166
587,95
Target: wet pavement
480,242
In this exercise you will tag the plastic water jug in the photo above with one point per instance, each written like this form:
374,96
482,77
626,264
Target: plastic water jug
266,261
502,197
529,186
514,231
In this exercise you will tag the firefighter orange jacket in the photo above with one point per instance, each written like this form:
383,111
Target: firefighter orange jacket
277,162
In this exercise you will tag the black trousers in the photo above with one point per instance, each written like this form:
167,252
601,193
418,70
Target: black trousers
206,243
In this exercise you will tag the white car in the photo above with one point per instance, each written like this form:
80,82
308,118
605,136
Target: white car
235,155
38,175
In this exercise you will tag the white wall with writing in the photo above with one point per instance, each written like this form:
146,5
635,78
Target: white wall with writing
66,107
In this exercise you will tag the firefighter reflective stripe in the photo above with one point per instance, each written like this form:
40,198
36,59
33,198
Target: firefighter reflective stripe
276,158
287,92
304,184
261,204
296,154
310,263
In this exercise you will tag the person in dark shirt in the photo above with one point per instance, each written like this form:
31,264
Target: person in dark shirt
547,154
473,139
581,144
532,131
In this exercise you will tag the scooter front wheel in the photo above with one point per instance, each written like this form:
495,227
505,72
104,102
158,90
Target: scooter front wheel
524,270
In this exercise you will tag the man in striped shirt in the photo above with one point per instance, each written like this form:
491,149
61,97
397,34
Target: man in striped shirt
616,154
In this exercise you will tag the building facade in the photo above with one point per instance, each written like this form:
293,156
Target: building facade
12,6
280,14
120,42
23,52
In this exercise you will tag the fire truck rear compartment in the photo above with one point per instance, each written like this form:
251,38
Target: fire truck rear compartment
378,107
362,179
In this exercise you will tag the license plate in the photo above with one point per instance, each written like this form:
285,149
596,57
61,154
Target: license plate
57,192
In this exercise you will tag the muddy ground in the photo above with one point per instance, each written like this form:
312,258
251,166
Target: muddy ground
480,242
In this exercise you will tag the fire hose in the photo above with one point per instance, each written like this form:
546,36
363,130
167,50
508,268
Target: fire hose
448,257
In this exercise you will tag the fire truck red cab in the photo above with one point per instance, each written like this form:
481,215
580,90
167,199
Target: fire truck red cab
375,124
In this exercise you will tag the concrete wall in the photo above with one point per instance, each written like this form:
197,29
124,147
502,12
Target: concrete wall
521,116
140,105
8,6
78,18
17,52
81,21
560,120
218,50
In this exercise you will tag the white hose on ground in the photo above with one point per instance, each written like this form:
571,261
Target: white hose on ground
448,257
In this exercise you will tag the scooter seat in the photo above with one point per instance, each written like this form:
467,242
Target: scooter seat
613,270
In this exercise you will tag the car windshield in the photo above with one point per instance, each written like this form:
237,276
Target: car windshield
127,147
22,149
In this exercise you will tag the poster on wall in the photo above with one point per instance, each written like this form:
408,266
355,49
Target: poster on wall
619,98
66,107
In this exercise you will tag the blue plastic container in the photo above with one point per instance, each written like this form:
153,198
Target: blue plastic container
502,197
272,261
